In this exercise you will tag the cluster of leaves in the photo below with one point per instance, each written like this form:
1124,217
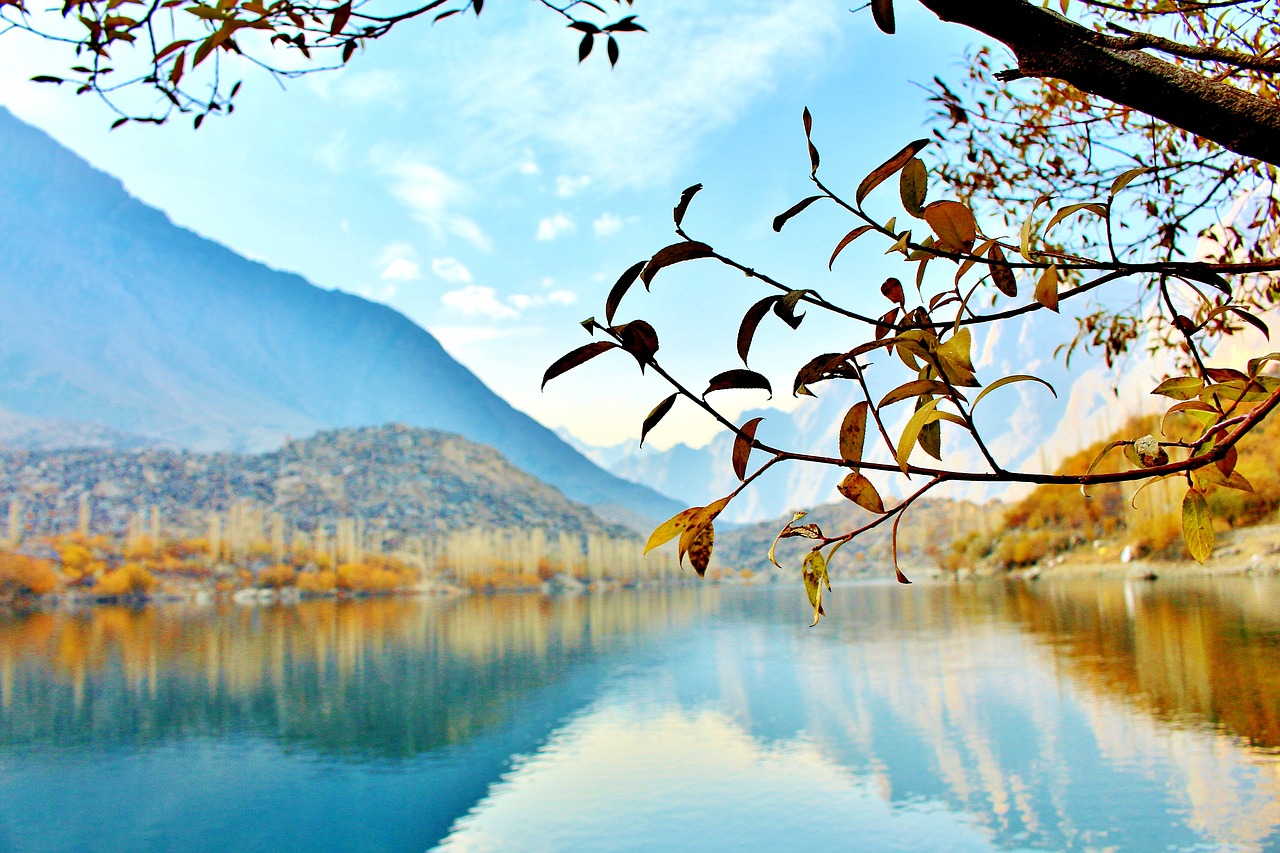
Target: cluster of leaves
930,337
1010,145
148,59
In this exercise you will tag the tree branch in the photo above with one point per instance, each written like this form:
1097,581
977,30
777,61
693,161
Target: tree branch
1048,45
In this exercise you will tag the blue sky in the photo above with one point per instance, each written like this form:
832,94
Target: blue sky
475,177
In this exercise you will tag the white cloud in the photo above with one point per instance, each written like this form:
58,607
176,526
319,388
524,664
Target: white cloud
551,227
606,224
453,338
567,185
528,167
359,87
475,300
401,269
434,198
399,262
450,270
524,301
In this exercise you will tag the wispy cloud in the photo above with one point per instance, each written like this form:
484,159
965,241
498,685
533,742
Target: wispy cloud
568,185
450,270
434,198
635,124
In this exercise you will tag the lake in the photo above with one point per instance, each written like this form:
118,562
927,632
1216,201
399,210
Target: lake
1081,715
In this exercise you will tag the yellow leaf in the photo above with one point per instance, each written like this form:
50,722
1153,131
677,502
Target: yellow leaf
1047,288
853,433
1197,525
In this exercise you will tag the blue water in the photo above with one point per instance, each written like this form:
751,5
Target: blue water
1078,715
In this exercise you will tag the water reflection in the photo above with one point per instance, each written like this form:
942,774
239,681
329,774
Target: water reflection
1083,715
388,677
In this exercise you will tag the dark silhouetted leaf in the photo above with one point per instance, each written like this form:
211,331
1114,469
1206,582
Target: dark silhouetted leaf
738,378
1207,276
341,15
620,289
683,204
750,321
846,240
658,413
888,168
1001,273
892,290
882,12
781,218
785,307
584,46
829,365
676,253
742,447
612,48
639,339
572,359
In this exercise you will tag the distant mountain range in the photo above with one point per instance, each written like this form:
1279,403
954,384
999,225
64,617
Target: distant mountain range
116,325
400,480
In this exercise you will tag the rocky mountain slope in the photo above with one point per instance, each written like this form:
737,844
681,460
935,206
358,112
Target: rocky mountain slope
396,478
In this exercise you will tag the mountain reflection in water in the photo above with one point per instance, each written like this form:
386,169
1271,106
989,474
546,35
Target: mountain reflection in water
1065,715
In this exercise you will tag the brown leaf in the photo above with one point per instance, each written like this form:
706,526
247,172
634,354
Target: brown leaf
676,253
954,224
1047,288
781,218
738,378
1001,273
846,240
887,168
853,433
750,321
742,447
570,360
882,12
861,491
658,413
620,289
683,204
892,290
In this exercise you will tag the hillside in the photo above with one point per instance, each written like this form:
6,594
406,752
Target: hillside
116,318
398,479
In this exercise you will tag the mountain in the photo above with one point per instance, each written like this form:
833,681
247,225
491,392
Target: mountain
399,479
114,316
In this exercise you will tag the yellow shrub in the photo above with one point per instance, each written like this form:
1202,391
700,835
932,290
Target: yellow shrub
23,575
321,581
278,576
129,579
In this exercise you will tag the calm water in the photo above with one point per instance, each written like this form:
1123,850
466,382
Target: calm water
1074,715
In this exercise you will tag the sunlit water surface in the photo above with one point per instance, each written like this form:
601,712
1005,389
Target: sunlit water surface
1075,715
